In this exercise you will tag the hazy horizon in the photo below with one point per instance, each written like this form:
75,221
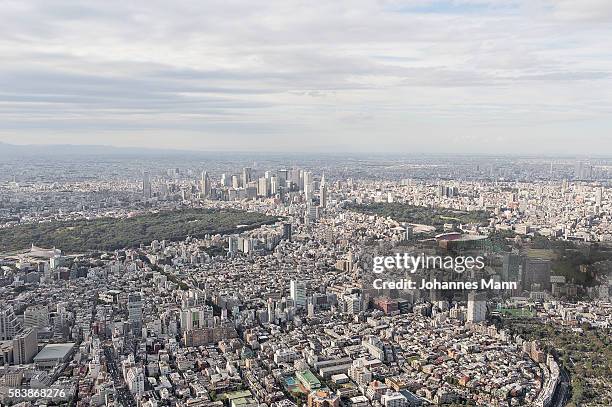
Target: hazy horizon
92,149
422,76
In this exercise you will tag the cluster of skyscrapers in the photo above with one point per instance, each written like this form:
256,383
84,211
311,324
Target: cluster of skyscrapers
247,185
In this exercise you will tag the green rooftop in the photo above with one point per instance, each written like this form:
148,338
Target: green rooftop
308,379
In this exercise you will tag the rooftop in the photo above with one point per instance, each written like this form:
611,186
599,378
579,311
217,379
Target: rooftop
54,351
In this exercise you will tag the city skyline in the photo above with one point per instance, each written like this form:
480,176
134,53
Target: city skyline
470,76
140,279
365,203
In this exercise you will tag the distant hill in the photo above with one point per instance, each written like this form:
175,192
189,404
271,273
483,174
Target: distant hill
12,150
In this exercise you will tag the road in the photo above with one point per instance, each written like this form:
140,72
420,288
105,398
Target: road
562,393
124,396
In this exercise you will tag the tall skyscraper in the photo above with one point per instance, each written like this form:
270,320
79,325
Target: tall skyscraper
251,190
599,196
282,175
263,187
308,186
287,231
441,191
295,178
25,346
235,182
298,293
225,181
311,309
323,195
246,176
205,184
146,185
274,185
233,244
271,310
134,306
164,190
477,307
9,324
312,213
352,303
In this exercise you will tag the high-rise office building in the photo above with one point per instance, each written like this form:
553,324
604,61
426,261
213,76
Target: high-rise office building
134,306
312,213
25,346
271,310
164,192
323,193
295,178
205,184
9,324
196,318
477,307
311,309
251,190
599,196
308,187
287,231
146,185
283,176
246,176
36,316
233,244
352,303
298,293
446,191
235,181
263,187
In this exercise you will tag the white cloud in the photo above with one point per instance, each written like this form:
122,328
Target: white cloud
219,72
587,10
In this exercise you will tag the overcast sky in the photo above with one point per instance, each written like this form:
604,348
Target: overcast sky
414,75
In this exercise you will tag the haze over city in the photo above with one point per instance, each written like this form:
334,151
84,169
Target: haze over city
466,76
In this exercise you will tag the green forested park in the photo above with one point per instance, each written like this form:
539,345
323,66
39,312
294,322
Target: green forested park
586,353
437,217
77,236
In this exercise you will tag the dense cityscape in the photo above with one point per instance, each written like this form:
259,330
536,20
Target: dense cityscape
241,281
286,203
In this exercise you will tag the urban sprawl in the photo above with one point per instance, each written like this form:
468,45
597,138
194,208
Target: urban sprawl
288,313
